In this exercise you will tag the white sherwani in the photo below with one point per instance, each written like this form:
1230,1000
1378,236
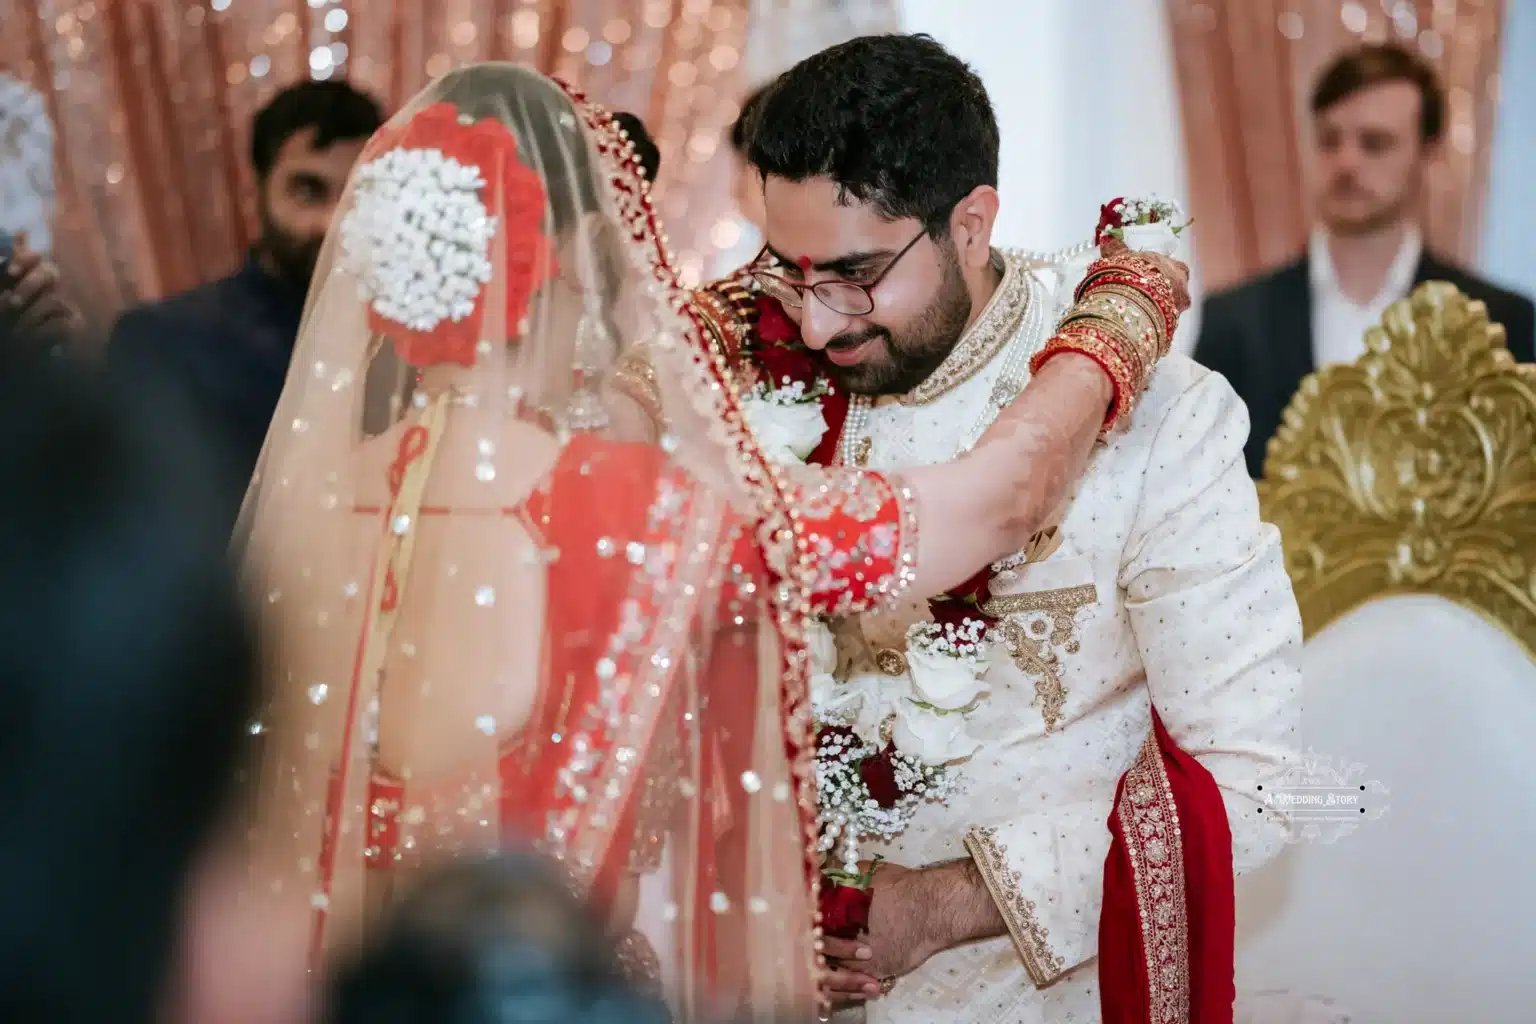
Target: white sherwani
1166,589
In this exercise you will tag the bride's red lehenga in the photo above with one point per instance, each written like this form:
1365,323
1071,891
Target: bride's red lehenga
597,510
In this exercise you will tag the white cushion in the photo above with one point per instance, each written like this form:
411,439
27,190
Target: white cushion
1290,1008
1429,913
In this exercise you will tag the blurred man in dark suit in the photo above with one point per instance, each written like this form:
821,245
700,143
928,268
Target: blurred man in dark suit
227,344
1378,118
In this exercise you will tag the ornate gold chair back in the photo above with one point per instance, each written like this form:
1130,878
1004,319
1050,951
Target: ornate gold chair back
1413,471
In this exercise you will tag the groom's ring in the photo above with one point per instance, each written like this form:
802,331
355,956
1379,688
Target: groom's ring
886,984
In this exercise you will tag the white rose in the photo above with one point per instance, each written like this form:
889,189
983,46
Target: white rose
930,737
822,646
1158,237
943,681
832,697
785,432
875,705
861,702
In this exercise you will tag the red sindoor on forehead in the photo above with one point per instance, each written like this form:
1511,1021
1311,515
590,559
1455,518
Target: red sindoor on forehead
804,262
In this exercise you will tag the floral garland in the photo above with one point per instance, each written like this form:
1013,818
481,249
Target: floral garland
880,753
1150,223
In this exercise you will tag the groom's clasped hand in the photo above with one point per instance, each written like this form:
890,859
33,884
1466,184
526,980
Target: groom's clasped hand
910,915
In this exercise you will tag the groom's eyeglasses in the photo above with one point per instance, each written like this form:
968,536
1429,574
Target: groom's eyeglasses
843,297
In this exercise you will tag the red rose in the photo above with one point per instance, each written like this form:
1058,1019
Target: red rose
777,348
778,351
827,733
964,602
1109,217
879,775
953,612
781,360
844,909
773,324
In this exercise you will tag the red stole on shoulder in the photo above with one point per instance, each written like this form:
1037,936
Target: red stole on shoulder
1167,928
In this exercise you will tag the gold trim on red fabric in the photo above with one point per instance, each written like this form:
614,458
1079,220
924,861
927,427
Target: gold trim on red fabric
727,310
1149,822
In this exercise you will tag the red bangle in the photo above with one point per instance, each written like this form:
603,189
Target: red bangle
1109,360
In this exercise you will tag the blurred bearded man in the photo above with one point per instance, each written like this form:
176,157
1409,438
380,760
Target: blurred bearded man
227,344
1378,121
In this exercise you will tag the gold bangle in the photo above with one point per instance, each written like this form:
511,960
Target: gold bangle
1128,308
1139,274
1152,318
1116,332
636,377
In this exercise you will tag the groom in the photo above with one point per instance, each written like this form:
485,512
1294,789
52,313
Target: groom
1150,639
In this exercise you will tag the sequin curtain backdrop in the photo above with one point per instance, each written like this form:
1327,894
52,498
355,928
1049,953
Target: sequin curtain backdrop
153,102
1245,71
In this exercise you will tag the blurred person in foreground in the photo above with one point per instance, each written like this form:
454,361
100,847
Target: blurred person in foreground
227,345
493,941
127,673
515,614
1378,123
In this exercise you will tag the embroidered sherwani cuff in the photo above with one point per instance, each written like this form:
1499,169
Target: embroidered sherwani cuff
1045,873
1030,938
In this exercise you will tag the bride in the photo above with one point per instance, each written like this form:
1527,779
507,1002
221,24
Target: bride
502,615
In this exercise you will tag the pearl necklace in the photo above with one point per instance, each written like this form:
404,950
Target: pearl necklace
1035,257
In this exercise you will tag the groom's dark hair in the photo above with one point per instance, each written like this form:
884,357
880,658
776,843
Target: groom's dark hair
894,120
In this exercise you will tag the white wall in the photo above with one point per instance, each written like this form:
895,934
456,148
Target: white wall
1086,99
1509,238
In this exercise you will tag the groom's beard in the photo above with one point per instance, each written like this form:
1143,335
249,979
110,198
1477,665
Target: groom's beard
905,362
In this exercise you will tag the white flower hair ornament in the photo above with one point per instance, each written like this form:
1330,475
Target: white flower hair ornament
418,234
418,237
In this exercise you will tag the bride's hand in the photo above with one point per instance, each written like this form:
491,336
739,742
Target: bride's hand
1176,271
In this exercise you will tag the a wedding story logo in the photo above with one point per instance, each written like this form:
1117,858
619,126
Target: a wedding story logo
1324,801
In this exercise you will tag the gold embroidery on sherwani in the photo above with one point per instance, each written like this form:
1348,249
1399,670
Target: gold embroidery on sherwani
1035,628
1149,820
1029,936
985,338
